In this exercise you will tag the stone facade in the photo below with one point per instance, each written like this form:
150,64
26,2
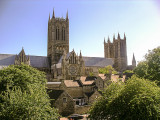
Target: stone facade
22,58
62,101
94,96
70,66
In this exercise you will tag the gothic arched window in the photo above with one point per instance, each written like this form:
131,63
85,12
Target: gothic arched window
63,33
57,33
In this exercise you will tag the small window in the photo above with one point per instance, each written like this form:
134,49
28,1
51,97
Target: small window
64,100
77,102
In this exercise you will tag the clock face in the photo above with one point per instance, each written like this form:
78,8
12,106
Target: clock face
72,70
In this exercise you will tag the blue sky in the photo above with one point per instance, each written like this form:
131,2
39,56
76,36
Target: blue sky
24,23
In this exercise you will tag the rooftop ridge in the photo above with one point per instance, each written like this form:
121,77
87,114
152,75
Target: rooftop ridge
26,55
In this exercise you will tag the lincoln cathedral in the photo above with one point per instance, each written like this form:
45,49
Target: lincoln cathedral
69,81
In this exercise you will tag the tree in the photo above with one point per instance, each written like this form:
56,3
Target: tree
107,70
22,76
128,71
150,67
23,94
141,69
91,74
137,99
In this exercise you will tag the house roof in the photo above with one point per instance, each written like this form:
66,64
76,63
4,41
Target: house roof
71,83
35,61
53,85
102,76
84,80
115,78
54,94
89,94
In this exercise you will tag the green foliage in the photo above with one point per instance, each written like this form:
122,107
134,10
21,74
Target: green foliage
150,67
137,99
23,94
141,69
107,70
128,71
91,74
22,76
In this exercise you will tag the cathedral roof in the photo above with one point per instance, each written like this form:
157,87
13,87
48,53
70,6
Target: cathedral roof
6,59
44,62
97,61
35,61
94,61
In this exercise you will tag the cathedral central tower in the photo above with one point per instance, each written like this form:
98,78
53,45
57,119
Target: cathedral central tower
58,37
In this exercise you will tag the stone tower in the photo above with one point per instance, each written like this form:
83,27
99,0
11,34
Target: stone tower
133,61
118,51
58,37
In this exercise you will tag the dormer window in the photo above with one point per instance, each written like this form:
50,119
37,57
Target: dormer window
64,100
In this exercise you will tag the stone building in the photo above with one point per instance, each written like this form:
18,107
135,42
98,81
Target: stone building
68,73
65,64
131,67
117,51
69,67
22,58
62,101
58,37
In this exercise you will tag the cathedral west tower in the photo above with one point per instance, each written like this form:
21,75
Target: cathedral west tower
58,37
118,51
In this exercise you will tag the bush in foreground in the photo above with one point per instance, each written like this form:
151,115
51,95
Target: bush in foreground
137,99
150,67
23,94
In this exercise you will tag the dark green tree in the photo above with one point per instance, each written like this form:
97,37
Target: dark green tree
23,94
141,69
150,67
138,99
